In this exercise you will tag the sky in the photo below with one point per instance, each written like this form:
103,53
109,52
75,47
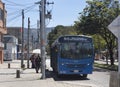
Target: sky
64,12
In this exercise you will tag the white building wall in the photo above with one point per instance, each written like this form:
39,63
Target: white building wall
10,52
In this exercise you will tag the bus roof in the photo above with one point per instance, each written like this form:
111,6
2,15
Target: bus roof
57,41
76,36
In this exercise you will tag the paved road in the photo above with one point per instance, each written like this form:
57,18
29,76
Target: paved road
99,78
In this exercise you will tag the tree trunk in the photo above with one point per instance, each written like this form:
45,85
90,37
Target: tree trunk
111,57
107,60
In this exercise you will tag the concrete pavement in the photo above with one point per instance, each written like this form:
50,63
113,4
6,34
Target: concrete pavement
28,77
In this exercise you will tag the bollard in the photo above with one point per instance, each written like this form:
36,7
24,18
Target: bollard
23,66
8,65
18,74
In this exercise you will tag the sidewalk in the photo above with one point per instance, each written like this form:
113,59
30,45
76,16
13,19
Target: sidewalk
28,77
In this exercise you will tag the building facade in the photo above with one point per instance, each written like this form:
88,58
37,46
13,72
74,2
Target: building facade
10,47
3,29
33,36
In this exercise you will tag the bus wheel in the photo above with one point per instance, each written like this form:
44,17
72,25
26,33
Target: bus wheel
59,75
84,75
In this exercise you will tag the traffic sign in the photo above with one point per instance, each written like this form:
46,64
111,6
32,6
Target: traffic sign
114,27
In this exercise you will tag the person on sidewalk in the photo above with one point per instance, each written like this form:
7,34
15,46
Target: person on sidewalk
37,63
32,58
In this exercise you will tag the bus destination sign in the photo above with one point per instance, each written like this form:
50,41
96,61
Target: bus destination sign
72,39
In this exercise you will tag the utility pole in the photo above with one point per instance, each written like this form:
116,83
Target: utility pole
38,32
22,33
42,35
43,15
28,52
32,41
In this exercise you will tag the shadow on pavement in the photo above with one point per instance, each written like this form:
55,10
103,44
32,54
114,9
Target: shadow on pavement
18,80
51,74
96,69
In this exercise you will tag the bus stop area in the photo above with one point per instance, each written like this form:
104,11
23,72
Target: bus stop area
28,77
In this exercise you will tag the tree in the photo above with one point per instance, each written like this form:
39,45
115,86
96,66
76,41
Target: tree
99,43
59,31
95,18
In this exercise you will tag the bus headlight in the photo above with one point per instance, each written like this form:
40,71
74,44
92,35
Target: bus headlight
62,72
88,64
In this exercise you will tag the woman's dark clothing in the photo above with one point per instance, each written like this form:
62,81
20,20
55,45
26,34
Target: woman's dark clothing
37,64
32,61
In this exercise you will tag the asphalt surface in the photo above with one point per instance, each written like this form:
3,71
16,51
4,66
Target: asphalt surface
29,78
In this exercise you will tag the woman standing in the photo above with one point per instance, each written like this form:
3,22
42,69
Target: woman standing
32,58
37,63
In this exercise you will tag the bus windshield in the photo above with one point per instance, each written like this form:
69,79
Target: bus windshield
76,50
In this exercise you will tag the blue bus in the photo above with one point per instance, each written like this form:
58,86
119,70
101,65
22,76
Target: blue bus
72,55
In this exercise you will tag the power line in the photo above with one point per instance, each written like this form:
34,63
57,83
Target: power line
13,13
27,9
14,6
13,3
10,3
13,16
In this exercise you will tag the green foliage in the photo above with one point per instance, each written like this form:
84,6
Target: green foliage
99,42
59,31
95,18
106,66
